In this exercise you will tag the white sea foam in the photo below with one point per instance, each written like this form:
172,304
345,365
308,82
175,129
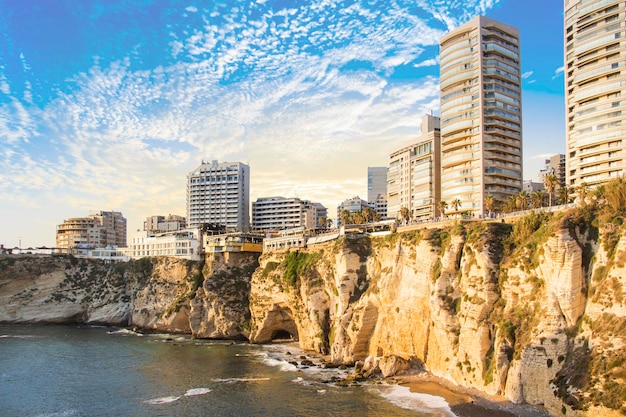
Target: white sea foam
424,403
18,336
162,400
197,391
233,380
66,413
282,364
125,332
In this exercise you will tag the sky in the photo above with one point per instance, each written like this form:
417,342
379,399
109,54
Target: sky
109,104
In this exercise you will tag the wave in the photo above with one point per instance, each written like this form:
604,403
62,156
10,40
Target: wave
19,336
424,403
197,391
124,332
162,400
233,380
281,363
66,413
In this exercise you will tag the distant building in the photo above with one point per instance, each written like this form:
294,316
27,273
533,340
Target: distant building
555,165
219,193
595,90
380,206
99,230
481,114
114,224
413,177
180,244
376,182
79,231
159,224
279,213
532,186
108,255
321,213
352,205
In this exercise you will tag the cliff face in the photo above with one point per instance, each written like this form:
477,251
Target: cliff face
534,312
208,299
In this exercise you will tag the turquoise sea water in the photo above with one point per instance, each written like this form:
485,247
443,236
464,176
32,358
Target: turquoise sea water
96,371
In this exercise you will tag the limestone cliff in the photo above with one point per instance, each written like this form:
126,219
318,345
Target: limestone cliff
206,299
532,311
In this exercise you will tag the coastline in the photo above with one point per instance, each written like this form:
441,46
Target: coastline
466,402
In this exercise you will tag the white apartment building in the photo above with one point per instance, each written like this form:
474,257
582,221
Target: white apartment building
279,213
595,90
181,244
219,193
413,178
98,230
79,232
481,114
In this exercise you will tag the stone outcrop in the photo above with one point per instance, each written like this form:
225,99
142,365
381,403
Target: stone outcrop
528,316
206,299
534,312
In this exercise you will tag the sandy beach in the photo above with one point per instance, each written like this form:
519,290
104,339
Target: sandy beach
466,402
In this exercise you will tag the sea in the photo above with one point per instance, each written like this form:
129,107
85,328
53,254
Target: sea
63,371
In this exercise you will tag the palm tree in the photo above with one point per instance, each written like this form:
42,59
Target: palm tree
456,203
550,181
357,217
329,223
582,191
565,195
521,200
510,204
369,214
537,198
442,207
489,204
405,214
344,216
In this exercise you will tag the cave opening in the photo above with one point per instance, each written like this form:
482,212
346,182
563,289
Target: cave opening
281,335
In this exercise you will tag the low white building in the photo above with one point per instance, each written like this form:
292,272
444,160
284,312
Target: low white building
108,254
285,239
180,244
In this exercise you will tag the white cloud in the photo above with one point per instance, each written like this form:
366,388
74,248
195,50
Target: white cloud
427,63
527,75
558,72
280,91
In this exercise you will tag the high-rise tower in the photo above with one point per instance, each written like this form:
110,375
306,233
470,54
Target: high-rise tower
481,114
219,193
595,90
414,175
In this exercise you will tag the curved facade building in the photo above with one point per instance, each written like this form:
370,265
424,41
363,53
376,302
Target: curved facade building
595,90
481,114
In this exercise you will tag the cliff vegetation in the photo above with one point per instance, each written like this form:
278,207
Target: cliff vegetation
532,310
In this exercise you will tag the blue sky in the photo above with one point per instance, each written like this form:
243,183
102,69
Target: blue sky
107,105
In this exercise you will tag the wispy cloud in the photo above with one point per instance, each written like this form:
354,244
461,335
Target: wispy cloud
305,95
527,75
558,72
